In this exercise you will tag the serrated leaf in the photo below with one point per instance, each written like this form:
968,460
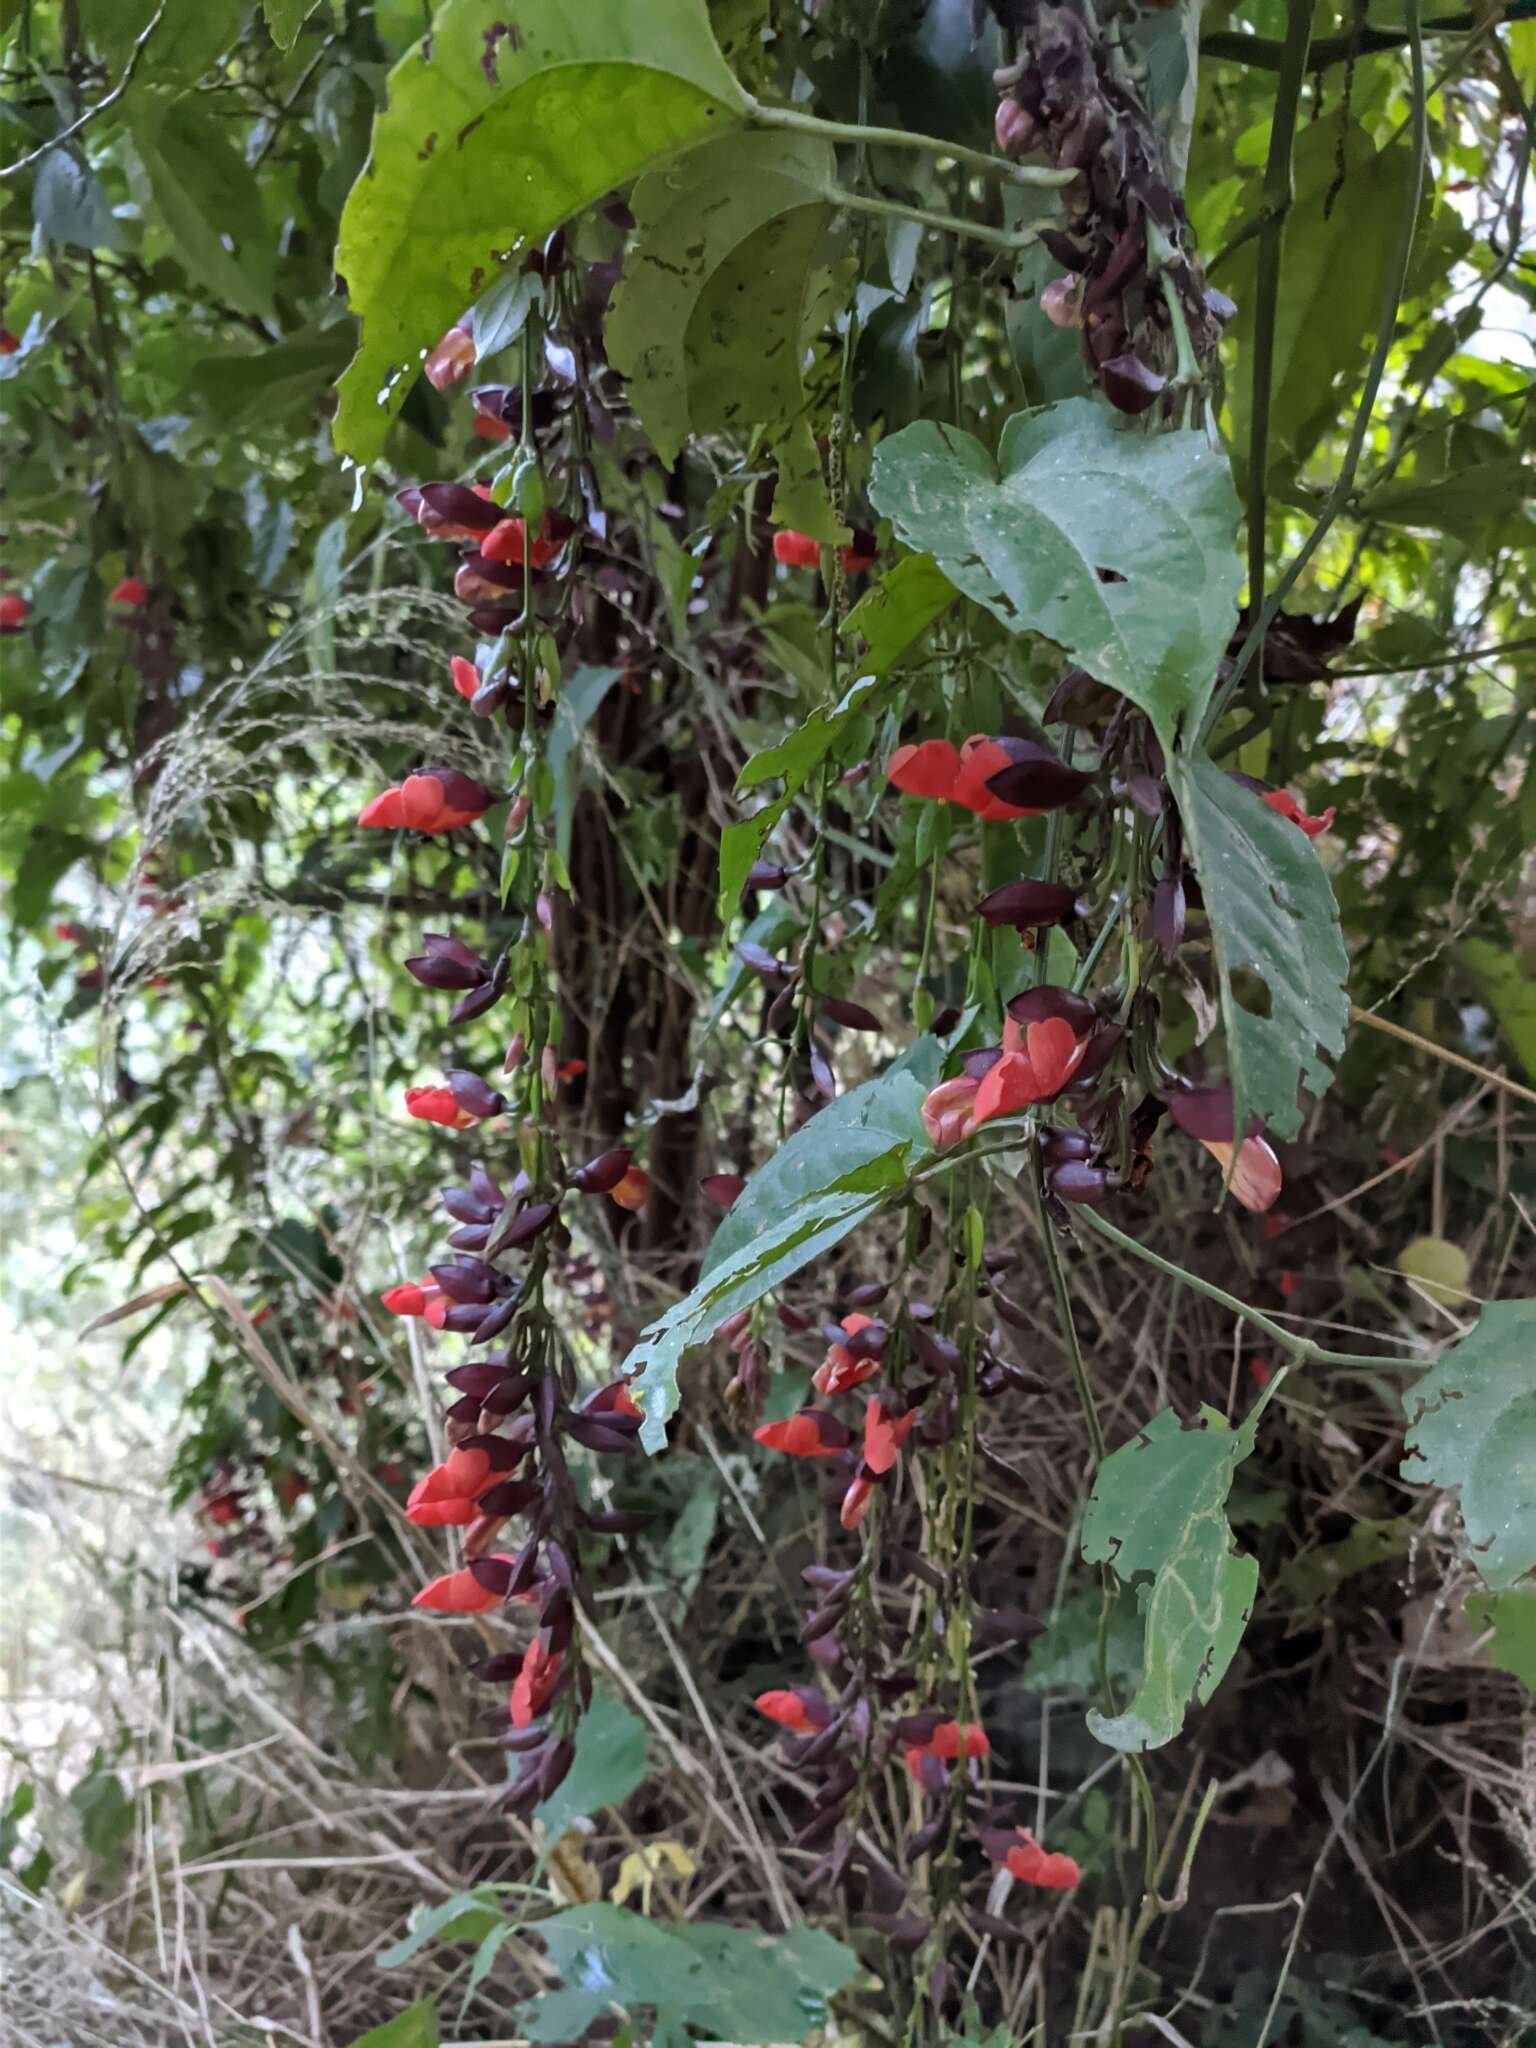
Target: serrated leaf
493,136
724,279
1159,1508
1272,913
1117,545
205,195
836,1172
1472,1427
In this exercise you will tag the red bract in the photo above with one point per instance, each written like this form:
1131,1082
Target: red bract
13,612
949,1741
130,591
811,1433
1022,1856
461,1592
446,1497
884,1435
452,360
534,1683
436,800
800,1709
841,1369
1285,805
1037,1062
633,1190
949,1111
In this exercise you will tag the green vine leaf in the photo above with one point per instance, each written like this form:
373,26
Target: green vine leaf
1117,545
832,1175
1159,1515
1472,1426
492,137
1272,913
729,277
899,610
1512,1617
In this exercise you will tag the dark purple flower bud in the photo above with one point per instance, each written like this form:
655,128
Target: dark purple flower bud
490,620
766,874
867,1293
603,1433
936,1352
475,572
1077,1181
1040,1005
1146,793
490,697
723,1188
493,1573
465,1207
617,1521
1207,1114
477,1380
1130,385
901,1930
556,1766
870,1342
473,1095
466,1280
762,962
822,1075
819,1827
476,1003
823,1619
1096,1056
1030,905
501,1670
603,1172
509,1395
490,1326
782,1012
919,1728
1059,1145
1036,779
447,963
509,1497
792,1319
461,792
853,1016
470,1237
464,1316
825,1579
486,1191
460,506
1168,915
521,1228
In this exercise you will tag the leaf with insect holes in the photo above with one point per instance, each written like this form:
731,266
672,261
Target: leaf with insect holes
835,1173
1472,1426
497,130
1119,546
1272,914
1158,1518
728,277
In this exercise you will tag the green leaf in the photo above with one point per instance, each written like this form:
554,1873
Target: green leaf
1117,545
1510,993
1333,278
832,1175
491,138
899,610
1462,503
188,37
577,707
261,385
205,195
285,18
1306,1581
467,1916
793,761
1512,1617
1159,1508
499,315
1272,914
610,1762
68,204
1066,1657
735,1984
416,2027
1472,1426
723,286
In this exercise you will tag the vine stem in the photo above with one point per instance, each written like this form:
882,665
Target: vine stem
1069,1337
1011,239
1440,1052
1302,1349
1344,482
110,99
905,138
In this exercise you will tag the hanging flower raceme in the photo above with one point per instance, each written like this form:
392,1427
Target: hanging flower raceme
451,511
433,800
534,1684
853,1357
809,1433
997,779
933,1743
447,1497
1017,1852
1206,1115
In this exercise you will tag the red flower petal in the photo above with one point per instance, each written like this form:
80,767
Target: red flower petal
796,550
466,677
927,770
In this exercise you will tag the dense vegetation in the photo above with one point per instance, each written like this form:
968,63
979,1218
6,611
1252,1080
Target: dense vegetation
865,668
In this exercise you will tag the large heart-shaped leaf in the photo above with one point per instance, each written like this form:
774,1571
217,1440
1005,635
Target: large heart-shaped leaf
499,127
1159,1507
727,275
832,1175
1273,915
1473,1426
1116,544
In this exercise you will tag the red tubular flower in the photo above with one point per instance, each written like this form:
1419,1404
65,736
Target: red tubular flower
446,1497
884,1435
633,1190
857,1501
1037,1062
487,429
800,1709
1022,1856
811,1433
412,1298
949,1111
949,1741
436,800
14,611
437,1106
860,555
534,1683
130,592
1285,805
453,358
841,1368
796,550
508,542
461,1592
466,677
961,775
1205,1114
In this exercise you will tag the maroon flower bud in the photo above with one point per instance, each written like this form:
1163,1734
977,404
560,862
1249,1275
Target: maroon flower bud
522,1227
1130,385
1076,1181
1036,779
476,1003
458,505
447,963
765,874
603,1172
1168,915
1059,1146
1039,1005
492,1325
852,1015
822,1074
762,962
723,1188
1029,905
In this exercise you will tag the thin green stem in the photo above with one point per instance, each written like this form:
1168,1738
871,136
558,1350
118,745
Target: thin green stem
905,138
1302,1349
1074,1349
1011,239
